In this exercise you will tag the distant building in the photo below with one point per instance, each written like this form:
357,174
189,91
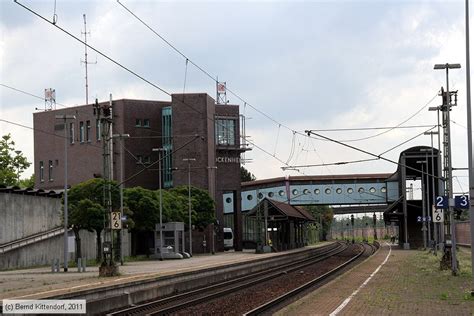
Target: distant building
190,126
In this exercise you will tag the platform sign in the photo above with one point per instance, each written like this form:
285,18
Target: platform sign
461,201
442,202
438,215
115,219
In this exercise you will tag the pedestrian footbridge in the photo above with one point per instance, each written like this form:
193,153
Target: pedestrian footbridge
352,189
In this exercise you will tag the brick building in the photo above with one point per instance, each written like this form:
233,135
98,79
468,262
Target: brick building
190,126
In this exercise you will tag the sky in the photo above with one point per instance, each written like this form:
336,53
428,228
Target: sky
291,66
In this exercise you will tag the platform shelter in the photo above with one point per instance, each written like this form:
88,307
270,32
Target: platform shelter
282,226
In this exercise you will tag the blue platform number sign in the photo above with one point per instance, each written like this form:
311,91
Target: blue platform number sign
461,201
442,202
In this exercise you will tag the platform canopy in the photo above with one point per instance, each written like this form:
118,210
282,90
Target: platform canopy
280,211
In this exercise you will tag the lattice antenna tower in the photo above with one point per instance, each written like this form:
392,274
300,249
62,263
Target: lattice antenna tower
49,99
221,94
85,57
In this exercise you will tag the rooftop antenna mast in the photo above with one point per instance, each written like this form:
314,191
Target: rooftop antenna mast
85,56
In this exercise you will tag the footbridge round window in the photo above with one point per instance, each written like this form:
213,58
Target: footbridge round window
338,190
228,200
350,190
295,192
306,191
316,191
327,191
361,190
281,193
372,190
250,197
383,189
270,194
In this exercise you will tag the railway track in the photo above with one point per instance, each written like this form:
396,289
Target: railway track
288,296
217,294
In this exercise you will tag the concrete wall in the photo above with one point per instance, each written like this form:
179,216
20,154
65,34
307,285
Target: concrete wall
44,252
25,215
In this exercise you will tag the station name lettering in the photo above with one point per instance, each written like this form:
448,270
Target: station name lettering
228,159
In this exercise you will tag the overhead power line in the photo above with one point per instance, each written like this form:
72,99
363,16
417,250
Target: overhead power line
137,75
309,132
244,101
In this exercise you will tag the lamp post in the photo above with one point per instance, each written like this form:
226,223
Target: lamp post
65,118
423,202
212,192
160,150
448,164
121,137
189,205
469,143
435,225
374,219
352,224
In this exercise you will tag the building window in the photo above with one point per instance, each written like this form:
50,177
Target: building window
81,132
50,170
71,133
41,171
88,131
138,122
97,129
225,132
146,123
147,160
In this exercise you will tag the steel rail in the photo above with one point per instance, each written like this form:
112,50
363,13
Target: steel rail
275,302
194,297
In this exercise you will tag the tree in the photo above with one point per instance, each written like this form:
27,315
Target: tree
201,203
27,182
85,200
245,175
12,162
82,216
323,215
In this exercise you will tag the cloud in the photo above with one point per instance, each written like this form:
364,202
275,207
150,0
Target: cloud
307,65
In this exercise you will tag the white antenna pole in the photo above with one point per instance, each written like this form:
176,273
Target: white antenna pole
85,57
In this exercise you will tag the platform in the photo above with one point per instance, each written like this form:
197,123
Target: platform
41,282
408,283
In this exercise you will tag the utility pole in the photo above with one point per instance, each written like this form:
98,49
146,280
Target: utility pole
469,143
105,116
121,138
450,248
189,205
65,118
160,150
